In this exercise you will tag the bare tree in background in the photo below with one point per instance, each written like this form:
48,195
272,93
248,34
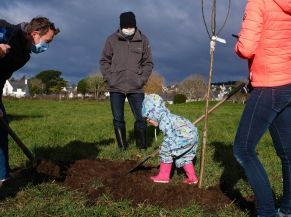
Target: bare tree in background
194,86
155,84
96,84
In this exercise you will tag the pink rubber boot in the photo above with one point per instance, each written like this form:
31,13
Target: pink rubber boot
164,174
190,172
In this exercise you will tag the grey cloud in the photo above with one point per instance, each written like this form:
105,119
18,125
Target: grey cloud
178,38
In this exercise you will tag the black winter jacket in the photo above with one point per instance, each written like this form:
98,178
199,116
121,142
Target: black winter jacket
126,64
18,55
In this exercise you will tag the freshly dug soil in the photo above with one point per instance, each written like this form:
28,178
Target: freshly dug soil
95,177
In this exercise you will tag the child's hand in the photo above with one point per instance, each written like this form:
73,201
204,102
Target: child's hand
152,122
4,49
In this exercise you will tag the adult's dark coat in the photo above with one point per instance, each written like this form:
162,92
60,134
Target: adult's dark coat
126,64
19,53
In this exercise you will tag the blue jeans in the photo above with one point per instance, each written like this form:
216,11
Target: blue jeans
4,165
267,108
117,106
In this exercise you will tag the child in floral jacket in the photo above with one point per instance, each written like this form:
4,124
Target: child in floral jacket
180,139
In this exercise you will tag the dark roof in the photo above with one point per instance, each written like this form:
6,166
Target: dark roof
18,84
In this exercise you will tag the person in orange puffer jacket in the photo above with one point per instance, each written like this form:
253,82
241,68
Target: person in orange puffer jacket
265,41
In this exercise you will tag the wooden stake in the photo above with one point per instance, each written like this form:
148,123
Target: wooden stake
205,130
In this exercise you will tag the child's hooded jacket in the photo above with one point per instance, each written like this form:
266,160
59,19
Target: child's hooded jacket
180,135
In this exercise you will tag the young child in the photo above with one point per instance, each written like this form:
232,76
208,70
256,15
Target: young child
180,139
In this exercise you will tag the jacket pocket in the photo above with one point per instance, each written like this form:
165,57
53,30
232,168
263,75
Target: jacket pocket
136,55
136,50
134,80
115,79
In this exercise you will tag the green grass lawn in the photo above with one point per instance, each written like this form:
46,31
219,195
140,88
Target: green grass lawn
72,130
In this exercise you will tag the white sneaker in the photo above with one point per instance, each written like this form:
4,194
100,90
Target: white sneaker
280,214
2,181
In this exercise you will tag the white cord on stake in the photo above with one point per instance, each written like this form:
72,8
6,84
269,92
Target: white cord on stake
213,41
212,45
216,38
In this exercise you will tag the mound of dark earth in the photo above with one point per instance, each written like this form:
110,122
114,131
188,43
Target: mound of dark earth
95,177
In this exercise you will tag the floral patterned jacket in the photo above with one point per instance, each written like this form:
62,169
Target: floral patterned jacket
180,134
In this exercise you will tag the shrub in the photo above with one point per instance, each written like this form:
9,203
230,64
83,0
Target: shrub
179,98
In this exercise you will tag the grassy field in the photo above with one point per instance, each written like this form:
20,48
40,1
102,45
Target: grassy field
72,130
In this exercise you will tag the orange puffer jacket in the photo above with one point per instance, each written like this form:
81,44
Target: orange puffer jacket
265,40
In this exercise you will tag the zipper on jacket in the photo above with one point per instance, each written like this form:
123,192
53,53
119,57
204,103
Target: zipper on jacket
128,42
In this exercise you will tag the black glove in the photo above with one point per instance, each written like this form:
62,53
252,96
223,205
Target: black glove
247,88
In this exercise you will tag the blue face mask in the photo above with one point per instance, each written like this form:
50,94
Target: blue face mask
40,47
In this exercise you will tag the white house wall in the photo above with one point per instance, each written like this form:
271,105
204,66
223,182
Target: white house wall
8,91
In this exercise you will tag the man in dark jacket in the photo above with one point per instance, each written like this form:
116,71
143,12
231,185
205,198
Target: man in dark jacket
16,44
126,65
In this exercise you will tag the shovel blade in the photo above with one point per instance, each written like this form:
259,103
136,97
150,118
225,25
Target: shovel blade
144,160
139,164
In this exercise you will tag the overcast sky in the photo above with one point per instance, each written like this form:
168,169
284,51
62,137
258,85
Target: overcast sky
179,41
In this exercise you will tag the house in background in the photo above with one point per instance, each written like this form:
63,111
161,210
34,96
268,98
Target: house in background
219,91
70,91
16,88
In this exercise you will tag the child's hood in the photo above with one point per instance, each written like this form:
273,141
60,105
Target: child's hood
153,107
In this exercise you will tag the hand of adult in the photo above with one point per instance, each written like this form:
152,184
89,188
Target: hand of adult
235,36
4,49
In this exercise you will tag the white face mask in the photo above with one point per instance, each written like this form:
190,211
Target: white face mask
128,31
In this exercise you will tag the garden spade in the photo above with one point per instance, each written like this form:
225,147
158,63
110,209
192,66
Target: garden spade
17,140
144,160
41,166
226,97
